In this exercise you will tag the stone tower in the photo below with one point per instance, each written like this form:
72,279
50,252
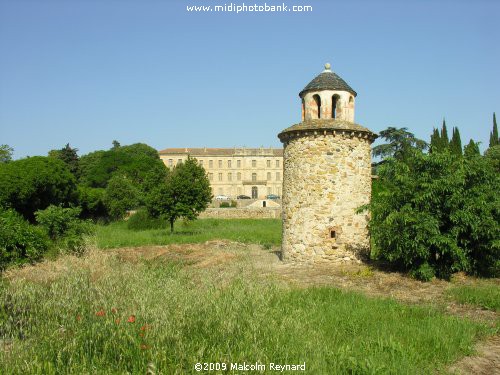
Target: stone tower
327,175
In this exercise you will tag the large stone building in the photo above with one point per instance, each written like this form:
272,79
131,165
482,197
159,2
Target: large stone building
255,172
327,175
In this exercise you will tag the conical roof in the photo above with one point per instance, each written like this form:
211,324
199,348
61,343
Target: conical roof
327,80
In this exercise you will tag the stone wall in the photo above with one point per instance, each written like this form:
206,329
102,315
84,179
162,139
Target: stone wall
326,178
242,213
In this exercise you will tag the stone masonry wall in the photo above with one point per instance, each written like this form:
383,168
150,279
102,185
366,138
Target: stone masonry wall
326,178
242,213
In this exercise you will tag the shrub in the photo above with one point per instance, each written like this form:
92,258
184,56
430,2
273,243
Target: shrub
32,184
20,242
91,200
438,213
224,205
120,196
142,221
64,226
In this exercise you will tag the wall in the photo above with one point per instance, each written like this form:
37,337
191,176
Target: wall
242,213
326,178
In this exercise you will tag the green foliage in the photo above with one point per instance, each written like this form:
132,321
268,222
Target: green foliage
64,227
69,156
185,193
6,153
133,161
91,201
57,220
445,142
494,140
424,272
234,204
400,143
142,221
438,211
224,205
471,150
32,184
456,143
493,155
20,242
120,196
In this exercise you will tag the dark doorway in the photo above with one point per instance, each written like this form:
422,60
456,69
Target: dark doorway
255,192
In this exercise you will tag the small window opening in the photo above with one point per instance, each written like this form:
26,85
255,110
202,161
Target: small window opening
264,204
317,100
333,234
335,99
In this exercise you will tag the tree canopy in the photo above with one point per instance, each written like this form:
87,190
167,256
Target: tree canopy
184,193
399,142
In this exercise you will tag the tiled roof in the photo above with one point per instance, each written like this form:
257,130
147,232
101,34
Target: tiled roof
327,80
223,151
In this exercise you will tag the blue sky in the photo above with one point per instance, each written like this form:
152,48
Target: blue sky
88,72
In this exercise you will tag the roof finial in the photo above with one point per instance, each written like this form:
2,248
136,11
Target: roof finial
327,68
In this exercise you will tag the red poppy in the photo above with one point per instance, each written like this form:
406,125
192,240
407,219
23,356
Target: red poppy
100,313
78,318
144,346
131,319
145,327
141,334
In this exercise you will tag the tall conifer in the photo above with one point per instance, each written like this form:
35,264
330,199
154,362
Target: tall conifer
456,142
435,141
494,140
445,142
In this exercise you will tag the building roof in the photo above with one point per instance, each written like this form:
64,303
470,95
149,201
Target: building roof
235,151
319,125
327,80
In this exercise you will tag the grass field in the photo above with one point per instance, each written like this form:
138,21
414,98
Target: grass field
266,232
101,314
485,296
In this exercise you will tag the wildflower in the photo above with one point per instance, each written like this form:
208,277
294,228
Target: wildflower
117,321
141,334
78,318
114,310
144,346
145,327
100,313
131,319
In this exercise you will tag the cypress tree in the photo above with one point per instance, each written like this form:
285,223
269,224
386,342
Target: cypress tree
456,142
445,142
494,140
435,141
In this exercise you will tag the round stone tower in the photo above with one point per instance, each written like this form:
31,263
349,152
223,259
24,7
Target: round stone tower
327,176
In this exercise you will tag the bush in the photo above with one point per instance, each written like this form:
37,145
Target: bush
438,213
20,242
142,221
91,200
120,196
64,226
34,183
224,205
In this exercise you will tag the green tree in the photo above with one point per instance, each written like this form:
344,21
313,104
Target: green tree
69,156
494,140
184,194
32,184
91,201
6,153
120,196
399,144
456,142
438,213
435,145
445,141
471,149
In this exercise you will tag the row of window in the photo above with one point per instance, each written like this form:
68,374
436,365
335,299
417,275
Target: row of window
229,163
238,176
255,191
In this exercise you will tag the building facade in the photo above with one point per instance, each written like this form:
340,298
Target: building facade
327,176
255,172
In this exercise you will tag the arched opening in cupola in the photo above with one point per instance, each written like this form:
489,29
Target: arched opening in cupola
317,100
335,102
